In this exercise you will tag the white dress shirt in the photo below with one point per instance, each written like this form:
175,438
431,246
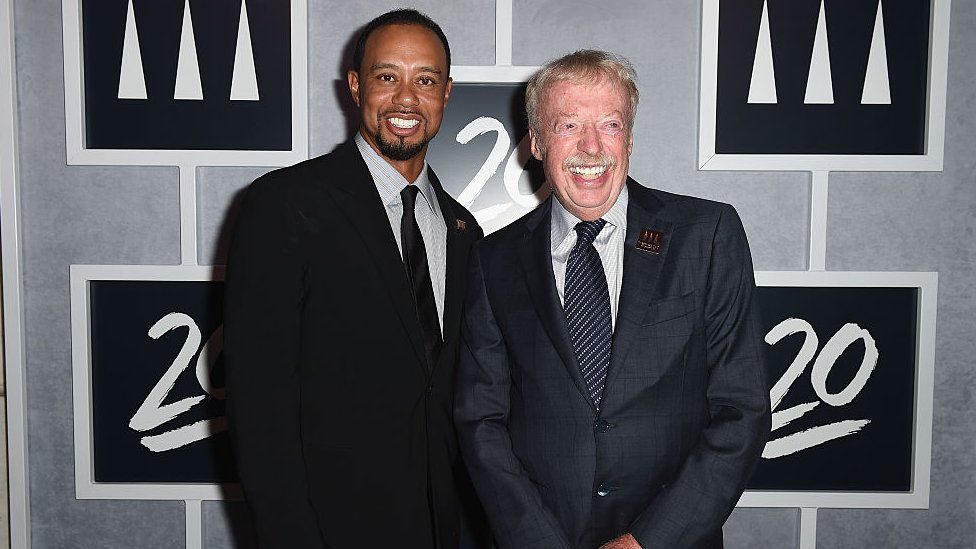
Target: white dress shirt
389,182
609,244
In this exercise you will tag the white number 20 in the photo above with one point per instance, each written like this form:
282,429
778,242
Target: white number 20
514,168
838,343
153,413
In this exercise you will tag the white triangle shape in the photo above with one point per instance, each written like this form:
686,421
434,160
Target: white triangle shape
244,82
762,87
876,90
819,86
187,68
132,81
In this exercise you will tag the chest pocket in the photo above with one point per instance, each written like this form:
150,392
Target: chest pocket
670,316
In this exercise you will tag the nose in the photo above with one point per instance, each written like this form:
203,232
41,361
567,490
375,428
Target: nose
589,141
405,95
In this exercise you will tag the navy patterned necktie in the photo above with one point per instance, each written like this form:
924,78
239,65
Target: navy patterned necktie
587,307
415,260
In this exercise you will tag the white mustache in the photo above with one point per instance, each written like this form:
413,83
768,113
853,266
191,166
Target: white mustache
583,161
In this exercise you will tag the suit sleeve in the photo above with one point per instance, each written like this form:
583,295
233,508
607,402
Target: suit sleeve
516,513
695,505
262,304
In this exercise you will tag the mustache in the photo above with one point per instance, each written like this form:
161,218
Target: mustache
583,160
402,112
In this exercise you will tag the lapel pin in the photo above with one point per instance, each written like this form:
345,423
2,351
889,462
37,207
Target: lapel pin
650,241
461,225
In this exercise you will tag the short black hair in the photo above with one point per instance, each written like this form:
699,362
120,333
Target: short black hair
397,17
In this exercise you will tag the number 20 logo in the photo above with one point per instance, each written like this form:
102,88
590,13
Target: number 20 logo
824,362
514,168
153,413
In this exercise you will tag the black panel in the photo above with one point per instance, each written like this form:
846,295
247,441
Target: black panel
845,127
127,363
161,122
878,458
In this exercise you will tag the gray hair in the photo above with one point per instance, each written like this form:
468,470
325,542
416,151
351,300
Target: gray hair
589,66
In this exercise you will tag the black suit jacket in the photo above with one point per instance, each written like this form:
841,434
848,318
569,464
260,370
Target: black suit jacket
340,427
685,410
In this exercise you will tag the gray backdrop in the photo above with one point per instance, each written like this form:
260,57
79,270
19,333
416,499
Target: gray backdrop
130,215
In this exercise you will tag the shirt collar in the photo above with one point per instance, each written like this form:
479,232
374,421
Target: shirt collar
564,222
389,182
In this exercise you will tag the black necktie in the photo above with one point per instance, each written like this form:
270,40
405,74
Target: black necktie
587,307
415,260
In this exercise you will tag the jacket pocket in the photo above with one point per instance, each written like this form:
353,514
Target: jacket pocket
670,316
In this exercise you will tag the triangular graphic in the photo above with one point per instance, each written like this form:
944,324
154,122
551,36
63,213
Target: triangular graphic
819,86
244,82
762,87
876,90
187,68
132,81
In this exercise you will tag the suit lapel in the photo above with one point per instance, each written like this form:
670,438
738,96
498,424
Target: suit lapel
642,271
535,252
360,203
458,245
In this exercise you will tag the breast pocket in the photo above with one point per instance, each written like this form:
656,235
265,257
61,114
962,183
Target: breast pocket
670,316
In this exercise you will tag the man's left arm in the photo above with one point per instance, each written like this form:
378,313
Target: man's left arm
700,498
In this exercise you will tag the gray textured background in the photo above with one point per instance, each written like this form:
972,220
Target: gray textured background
130,215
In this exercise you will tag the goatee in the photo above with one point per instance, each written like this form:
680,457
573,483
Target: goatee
399,149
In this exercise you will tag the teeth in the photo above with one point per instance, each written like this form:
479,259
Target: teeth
588,171
403,122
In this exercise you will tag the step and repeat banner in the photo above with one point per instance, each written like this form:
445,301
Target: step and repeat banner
850,354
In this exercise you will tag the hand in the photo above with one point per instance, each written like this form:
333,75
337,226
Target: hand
625,541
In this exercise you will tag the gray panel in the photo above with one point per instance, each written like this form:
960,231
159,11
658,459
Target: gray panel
227,525
219,194
751,528
76,215
774,207
469,26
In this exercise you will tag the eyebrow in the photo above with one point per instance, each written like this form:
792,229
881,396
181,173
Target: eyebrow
381,66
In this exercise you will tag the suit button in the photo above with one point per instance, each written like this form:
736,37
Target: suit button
603,490
602,426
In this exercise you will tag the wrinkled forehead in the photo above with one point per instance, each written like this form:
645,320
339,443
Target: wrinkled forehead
596,91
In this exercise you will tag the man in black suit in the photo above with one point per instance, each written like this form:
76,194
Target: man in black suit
343,301
611,388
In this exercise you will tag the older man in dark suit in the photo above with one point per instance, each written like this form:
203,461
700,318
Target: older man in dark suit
343,301
611,388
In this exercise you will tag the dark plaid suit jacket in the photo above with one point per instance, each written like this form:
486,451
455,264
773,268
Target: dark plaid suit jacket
685,412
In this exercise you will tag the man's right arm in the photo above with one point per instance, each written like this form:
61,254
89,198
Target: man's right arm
516,513
262,304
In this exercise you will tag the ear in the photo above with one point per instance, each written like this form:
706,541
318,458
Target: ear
630,144
534,145
352,78
447,90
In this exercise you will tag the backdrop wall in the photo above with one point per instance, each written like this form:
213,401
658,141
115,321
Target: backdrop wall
130,215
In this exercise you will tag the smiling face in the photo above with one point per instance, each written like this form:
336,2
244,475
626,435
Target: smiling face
584,143
401,89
